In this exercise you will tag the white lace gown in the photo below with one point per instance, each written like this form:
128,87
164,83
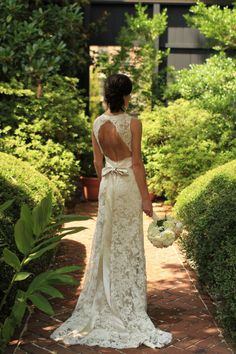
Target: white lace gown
111,308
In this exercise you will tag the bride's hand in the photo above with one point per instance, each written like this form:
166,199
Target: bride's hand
147,207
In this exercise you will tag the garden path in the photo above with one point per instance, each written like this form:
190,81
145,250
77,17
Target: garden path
176,302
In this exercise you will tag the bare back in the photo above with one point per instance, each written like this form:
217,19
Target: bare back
113,135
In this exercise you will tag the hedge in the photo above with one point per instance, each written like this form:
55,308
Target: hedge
207,209
22,182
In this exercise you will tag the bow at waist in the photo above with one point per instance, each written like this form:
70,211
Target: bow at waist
117,167
117,170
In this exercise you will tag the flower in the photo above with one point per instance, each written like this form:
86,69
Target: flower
163,232
168,237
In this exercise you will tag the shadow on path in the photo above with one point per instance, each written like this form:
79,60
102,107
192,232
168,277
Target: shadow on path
175,303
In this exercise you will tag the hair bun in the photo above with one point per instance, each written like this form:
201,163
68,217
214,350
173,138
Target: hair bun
116,86
114,94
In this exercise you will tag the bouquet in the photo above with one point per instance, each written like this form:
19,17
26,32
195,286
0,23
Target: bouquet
163,232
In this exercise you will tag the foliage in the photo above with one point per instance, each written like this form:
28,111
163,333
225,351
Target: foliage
138,56
40,38
217,24
58,115
212,87
31,242
51,159
95,106
51,132
207,209
211,84
178,149
21,182
180,142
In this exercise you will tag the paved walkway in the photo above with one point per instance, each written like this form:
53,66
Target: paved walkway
175,301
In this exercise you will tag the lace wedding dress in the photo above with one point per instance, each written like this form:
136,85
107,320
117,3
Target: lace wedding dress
111,308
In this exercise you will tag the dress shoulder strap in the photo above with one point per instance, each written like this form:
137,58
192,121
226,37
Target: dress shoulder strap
121,122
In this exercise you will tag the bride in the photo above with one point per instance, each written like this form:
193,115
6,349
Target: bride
111,308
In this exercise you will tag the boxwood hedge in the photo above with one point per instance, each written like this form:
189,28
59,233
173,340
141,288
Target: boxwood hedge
207,209
22,182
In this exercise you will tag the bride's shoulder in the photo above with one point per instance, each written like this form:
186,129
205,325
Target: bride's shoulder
134,119
133,115
97,120
135,123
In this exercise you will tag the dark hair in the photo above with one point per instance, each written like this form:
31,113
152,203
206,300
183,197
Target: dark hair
115,87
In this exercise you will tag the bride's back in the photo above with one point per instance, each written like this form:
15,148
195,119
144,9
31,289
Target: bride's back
114,136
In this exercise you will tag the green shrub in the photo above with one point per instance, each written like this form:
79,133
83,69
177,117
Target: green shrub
22,182
212,87
39,38
180,142
30,240
51,132
207,209
51,159
57,115
212,84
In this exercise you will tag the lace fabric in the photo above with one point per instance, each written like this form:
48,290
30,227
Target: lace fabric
111,308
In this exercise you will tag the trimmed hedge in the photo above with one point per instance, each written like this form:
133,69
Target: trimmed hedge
207,209
22,182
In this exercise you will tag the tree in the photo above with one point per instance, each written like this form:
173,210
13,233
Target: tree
39,38
218,25
138,56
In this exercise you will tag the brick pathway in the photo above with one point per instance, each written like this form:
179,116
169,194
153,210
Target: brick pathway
175,301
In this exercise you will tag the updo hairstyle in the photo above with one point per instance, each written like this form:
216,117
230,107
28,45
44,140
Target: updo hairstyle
115,87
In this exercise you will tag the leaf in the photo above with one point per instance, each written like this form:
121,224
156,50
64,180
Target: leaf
73,231
65,279
6,205
67,269
39,281
22,275
49,240
73,217
23,237
40,252
9,18
27,217
54,225
50,290
2,244
56,238
63,220
7,329
76,228
41,214
41,303
19,307
52,277
11,259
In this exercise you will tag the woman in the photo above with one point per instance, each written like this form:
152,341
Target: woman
111,308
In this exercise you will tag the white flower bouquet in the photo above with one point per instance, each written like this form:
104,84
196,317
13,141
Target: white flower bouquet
163,232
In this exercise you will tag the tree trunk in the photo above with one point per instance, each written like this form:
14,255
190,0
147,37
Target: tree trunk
39,88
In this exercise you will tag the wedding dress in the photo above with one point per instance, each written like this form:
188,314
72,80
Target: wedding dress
111,308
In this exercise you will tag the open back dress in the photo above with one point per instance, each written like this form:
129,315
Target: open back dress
111,308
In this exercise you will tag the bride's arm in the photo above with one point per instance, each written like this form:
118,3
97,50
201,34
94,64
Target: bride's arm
97,157
138,166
